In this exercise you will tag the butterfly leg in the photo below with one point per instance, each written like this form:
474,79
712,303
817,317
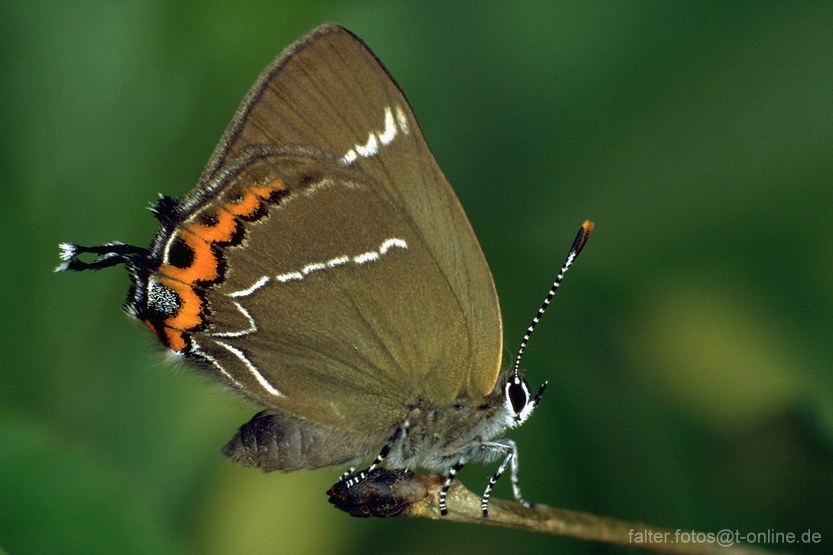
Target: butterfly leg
399,436
452,472
510,457
347,473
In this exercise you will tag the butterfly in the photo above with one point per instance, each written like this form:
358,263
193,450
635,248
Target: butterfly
324,269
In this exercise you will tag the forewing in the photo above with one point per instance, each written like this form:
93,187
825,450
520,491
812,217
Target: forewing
392,322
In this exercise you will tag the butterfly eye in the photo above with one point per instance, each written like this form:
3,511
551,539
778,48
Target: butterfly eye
517,394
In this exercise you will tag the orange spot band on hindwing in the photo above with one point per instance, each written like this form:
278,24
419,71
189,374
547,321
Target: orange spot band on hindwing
221,231
189,315
205,265
173,339
248,205
204,240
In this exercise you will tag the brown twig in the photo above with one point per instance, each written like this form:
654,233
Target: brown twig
390,493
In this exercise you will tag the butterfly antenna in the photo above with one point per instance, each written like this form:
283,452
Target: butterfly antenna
578,244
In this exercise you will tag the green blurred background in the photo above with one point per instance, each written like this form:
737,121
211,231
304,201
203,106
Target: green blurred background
689,353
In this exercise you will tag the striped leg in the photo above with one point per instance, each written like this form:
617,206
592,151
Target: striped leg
399,436
510,457
452,472
347,473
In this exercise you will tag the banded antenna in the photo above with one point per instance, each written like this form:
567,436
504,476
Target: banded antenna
581,239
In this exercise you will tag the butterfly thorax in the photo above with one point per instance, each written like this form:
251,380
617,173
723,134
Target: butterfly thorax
436,439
